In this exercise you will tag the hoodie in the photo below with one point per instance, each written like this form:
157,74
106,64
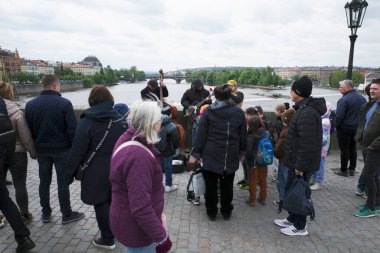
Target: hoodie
252,146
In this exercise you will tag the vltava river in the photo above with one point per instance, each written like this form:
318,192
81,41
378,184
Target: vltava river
130,92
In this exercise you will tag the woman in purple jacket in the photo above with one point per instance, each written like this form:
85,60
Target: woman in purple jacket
136,214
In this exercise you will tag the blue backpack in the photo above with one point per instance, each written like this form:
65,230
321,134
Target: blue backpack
265,151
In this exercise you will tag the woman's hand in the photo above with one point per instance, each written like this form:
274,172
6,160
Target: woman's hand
163,220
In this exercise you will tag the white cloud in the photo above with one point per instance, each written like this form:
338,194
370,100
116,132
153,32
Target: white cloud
178,34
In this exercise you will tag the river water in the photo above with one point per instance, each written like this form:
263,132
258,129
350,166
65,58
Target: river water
130,92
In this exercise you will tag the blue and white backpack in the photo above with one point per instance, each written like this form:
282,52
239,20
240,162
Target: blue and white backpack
265,151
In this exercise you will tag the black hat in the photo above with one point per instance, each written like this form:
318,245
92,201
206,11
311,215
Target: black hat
153,83
303,87
222,92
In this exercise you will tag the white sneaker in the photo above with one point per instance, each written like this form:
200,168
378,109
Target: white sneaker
196,201
316,187
2,220
283,223
171,188
294,231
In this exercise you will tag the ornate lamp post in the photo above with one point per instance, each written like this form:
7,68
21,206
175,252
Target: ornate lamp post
355,11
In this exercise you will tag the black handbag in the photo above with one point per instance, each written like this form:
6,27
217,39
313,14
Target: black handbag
79,173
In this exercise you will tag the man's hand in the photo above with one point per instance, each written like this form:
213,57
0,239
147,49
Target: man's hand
192,159
299,173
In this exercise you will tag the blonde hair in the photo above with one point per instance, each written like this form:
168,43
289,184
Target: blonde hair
6,91
142,116
280,108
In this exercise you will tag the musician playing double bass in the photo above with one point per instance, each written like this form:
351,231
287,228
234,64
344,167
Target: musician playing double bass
152,92
191,99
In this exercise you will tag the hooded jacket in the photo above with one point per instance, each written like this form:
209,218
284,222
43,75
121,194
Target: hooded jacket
24,139
252,146
303,143
169,135
95,186
192,97
222,137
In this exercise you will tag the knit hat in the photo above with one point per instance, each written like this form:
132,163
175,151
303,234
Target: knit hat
121,108
232,83
303,87
287,116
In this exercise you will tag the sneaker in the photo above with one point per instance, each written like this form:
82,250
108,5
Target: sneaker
171,188
283,223
74,216
292,230
196,201
359,191
244,187
365,212
362,205
241,182
25,244
351,173
27,217
250,203
2,220
276,202
365,195
316,187
341,173
46,217
100,243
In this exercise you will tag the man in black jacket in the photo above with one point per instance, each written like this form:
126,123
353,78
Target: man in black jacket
303,145
52,122
152,92
7,206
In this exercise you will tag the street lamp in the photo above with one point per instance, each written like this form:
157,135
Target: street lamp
355,11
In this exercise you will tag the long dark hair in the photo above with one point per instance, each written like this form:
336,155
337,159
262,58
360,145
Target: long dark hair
254,123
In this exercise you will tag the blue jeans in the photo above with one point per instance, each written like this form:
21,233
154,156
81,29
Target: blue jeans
46,162
167,165
320,174
282,178
146,249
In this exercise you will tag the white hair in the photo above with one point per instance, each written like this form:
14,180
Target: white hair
143,115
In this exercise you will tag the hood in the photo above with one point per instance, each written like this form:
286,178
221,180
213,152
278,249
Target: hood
218,108
12,107
101,112
318,104
165,119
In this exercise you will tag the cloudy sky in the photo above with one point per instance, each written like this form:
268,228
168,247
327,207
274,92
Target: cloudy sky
176,34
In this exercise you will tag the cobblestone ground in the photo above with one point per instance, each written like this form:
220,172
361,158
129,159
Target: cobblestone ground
251,229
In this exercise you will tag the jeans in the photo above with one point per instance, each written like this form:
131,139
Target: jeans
17,163
167,166
299,221
370,176
9,209
347,146
102,217
226,192
146,249
320,174
282,178
46,162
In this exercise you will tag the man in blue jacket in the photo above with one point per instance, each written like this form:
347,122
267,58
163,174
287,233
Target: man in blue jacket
52,122
347,118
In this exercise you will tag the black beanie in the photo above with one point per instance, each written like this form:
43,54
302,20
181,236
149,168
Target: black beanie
303,87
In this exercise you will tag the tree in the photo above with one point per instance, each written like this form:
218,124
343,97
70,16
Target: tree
339,75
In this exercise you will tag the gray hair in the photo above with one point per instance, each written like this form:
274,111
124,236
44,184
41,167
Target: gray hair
143,115
348,83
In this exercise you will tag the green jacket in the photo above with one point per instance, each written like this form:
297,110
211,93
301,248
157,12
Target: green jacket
371,136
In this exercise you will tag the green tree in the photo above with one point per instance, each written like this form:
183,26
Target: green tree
339,75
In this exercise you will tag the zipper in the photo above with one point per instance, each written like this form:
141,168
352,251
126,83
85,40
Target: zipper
228,137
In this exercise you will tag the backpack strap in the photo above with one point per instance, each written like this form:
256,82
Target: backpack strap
132,143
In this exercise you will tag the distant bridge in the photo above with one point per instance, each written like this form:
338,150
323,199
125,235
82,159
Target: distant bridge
178,79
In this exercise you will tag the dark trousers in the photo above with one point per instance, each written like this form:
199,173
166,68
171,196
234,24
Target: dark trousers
102,211
370,176
46,162
299,221
226,183
17,163
10,210
347,146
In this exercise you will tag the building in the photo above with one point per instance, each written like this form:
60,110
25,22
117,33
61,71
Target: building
36,67
369,77
314,73
11,62
83,69
288,73
1,70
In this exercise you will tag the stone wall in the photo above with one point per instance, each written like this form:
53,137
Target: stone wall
22,89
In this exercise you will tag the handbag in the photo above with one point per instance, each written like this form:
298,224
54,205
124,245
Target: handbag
79,173
196,186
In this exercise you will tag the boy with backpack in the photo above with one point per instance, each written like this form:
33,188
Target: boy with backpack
259,154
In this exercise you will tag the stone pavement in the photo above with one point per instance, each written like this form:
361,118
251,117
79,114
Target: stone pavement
251,229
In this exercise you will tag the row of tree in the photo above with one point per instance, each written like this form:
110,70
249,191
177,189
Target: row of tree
339,75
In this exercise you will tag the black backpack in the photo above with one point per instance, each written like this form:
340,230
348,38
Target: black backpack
7,135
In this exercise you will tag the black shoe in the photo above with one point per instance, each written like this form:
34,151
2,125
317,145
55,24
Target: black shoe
342,173
211,217
74,216
351,173
100,243
7,182
25,245
226,216
46,217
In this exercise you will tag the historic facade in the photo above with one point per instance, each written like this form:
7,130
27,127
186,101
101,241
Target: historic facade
36,67
11,62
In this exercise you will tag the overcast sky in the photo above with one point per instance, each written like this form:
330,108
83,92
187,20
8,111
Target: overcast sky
176,34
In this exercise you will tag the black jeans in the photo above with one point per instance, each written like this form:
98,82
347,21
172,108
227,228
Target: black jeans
370,176
226,192
102,211
347,146
10,210
17,164
299,221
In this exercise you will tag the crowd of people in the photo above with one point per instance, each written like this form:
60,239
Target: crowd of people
120,154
